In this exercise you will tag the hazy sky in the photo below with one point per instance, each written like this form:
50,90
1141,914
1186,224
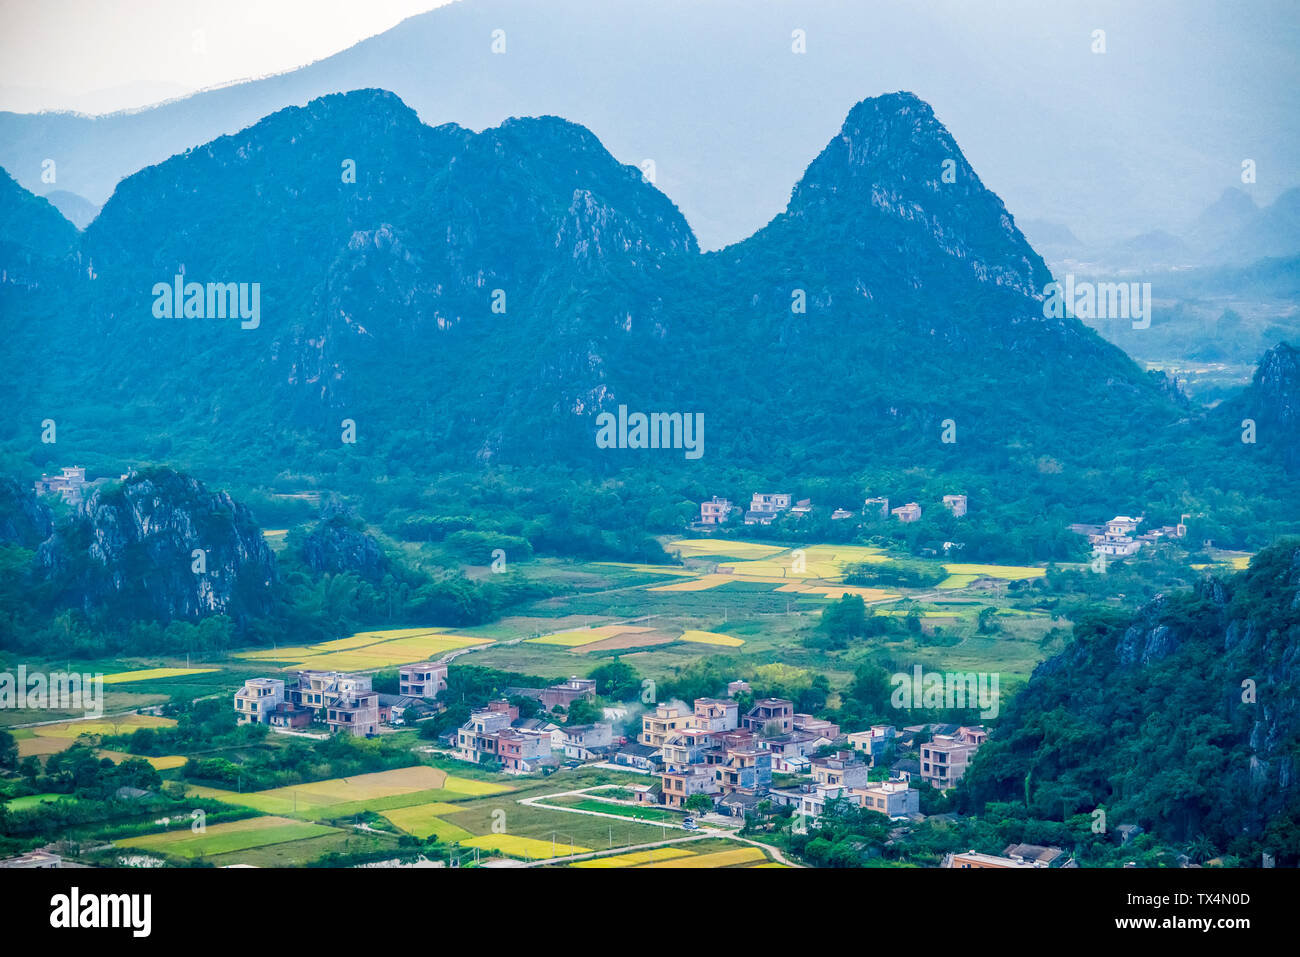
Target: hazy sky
53,53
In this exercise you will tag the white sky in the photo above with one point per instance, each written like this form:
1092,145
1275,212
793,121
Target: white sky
58,55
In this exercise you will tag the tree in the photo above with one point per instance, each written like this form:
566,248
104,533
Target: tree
8,750
988,621
617,681
698,802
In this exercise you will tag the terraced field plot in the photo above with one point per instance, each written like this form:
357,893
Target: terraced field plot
740,856
712,638
427,820
651,856
366,651
164,762
721,547
147,674
340,797
224,838
528,848
48,739
1005,572
586,636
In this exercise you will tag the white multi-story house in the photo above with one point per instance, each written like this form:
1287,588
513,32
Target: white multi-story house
716,511
257,699
422,680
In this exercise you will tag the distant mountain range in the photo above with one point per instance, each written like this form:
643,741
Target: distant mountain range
1062,133
469,299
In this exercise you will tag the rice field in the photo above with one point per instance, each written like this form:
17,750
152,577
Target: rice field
526,847
712,638
741,855
367,650
1005,572
49,739
425,821
29,801
145,674
224,838
651,856
339,797
164,762
703,583
586,636
724,548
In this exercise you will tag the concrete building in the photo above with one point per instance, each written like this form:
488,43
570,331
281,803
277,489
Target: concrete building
911,512
588,742
258,699
876,506
772,716
945,757
422,680
715,511
955,504
69,485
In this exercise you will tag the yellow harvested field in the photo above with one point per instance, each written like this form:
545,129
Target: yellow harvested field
585,636
703,583
527,847
712,638
387,654
690,547
741,855
51,739
164,763
636,857
1007,572
144,674
773,864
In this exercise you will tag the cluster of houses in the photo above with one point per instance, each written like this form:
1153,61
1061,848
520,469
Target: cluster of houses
1119,537
765,507
345,703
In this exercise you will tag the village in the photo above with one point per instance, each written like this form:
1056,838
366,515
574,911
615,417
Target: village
713,761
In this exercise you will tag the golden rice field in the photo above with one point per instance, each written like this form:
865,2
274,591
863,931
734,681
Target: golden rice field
48,739
527,847
366,651
1006,572
692,547
224,838
586,636
144,674
636,857
712,638
165,762
741,855
956,581
424,821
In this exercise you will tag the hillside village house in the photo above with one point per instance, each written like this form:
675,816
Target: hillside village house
878,505
873,743
716,511
945,757
69,484
422,680
257,699
588,742
765,506
911,512
772,716
955,504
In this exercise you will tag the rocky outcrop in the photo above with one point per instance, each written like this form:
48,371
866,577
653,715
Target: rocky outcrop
160,546
24,519
339,543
